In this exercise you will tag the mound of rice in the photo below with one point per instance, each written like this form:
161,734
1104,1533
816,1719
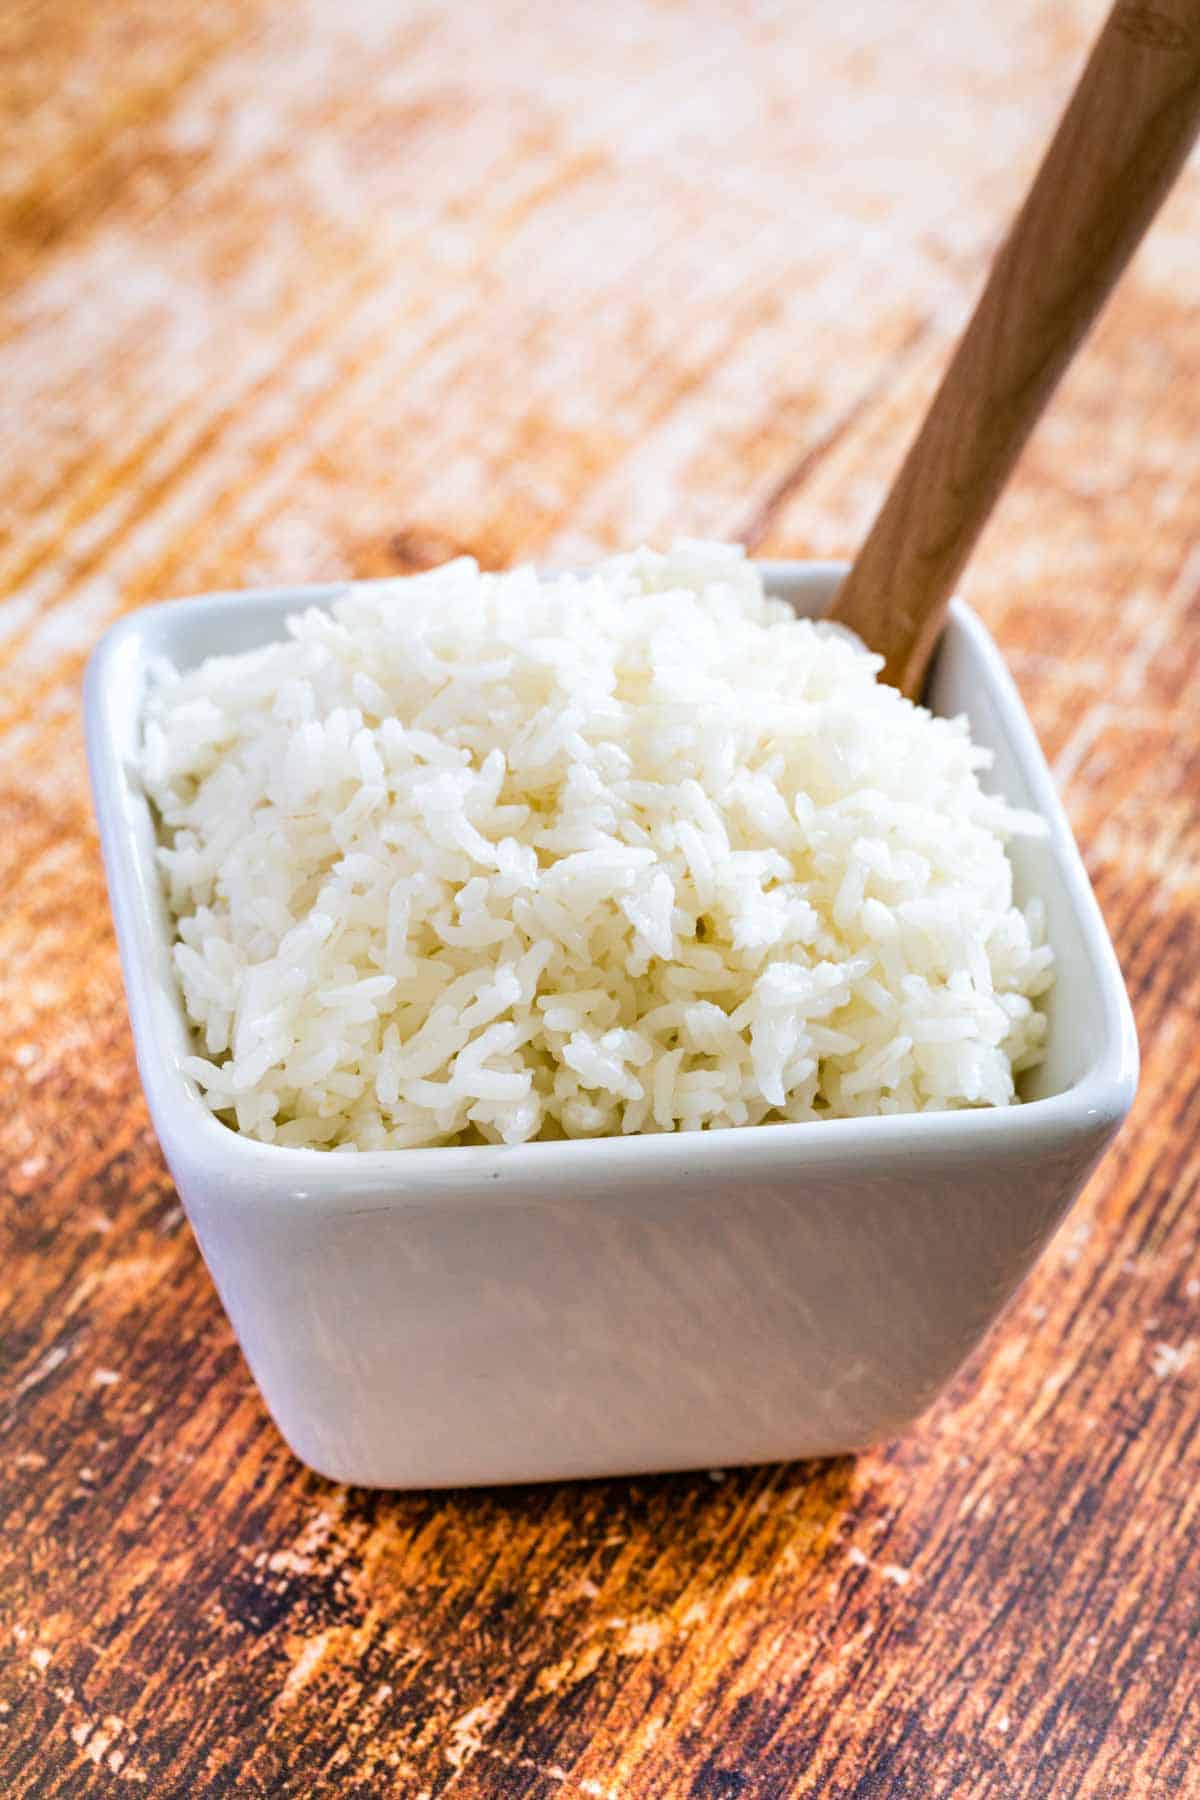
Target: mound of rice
477,858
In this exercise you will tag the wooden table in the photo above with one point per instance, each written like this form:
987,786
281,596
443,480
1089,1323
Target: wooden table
296,292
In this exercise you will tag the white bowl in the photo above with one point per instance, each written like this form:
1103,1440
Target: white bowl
433,1317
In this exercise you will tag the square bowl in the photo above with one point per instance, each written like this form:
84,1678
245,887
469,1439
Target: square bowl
436,1317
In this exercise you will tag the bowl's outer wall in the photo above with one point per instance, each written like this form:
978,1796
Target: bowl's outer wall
786,1292
622,1329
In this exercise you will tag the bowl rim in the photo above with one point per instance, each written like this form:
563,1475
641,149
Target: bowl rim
192,1136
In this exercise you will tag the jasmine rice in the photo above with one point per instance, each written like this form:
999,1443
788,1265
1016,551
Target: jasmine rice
474,858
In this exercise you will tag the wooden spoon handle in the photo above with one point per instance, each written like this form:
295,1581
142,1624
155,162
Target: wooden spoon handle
1118,148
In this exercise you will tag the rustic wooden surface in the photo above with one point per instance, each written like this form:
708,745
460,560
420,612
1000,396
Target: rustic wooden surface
295,291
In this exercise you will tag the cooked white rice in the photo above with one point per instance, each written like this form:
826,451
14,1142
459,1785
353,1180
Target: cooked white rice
495,857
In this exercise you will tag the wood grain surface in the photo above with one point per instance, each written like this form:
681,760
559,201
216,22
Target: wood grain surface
295,291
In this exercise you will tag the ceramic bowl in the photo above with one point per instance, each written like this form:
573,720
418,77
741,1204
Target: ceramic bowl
433,1317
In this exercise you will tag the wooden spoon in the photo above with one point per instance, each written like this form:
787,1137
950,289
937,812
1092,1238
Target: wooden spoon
1117,150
